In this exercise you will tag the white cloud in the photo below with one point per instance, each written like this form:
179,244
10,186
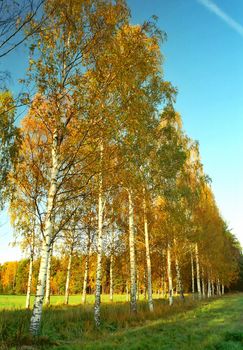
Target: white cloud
211,6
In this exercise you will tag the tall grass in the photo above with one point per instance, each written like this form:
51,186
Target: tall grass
191,325
62,323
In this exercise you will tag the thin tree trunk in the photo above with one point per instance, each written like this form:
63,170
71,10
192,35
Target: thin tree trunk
68,276
222,289
213,290
179,281
111,276
133,287
99,243
48,280
203,285
145,285
29,280
112,264
209,289
46,246
198,272
218,288
193,276
178,277
148,260
86,271
138,286
169,270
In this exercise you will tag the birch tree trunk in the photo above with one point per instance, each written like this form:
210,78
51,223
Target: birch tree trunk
179,281
203,285
99,243
29,280
145,285
218,288
111,276
138,285
209,289
37,310
111,264
193,276
48,279
133,286
178,276
212,284
86,271
198,272
222,289
46,245
68,276
148,260
169,270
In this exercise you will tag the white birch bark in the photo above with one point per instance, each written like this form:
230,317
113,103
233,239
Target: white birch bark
193,276
203,285
148,260
179,281
48,279
46,246
86,272
111,276
133,286
66,300
178,276
27,305
222,289
99,244
198,272
209,289
169,271
218,288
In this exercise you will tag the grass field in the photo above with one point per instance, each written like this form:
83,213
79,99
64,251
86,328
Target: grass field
18,301
211,325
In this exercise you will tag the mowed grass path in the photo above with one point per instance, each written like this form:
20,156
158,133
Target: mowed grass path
216,324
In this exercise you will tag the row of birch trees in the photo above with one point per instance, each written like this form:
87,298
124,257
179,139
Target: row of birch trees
104,166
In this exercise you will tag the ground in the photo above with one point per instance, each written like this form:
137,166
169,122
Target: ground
215,324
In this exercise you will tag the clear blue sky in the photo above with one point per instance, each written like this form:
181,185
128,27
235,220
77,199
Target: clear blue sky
203,59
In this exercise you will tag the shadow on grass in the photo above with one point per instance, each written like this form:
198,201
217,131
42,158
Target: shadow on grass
211,325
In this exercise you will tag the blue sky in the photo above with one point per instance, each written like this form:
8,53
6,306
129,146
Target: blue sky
203,59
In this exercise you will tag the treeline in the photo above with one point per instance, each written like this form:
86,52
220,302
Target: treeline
105,171
14,278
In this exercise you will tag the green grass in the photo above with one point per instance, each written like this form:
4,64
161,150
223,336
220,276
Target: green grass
18,301
211,325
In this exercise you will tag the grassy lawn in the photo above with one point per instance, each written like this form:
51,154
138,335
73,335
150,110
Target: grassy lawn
213,325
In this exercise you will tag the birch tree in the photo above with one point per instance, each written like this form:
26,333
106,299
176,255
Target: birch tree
63,49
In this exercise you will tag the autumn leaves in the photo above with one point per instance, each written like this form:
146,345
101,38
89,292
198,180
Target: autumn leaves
101,137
